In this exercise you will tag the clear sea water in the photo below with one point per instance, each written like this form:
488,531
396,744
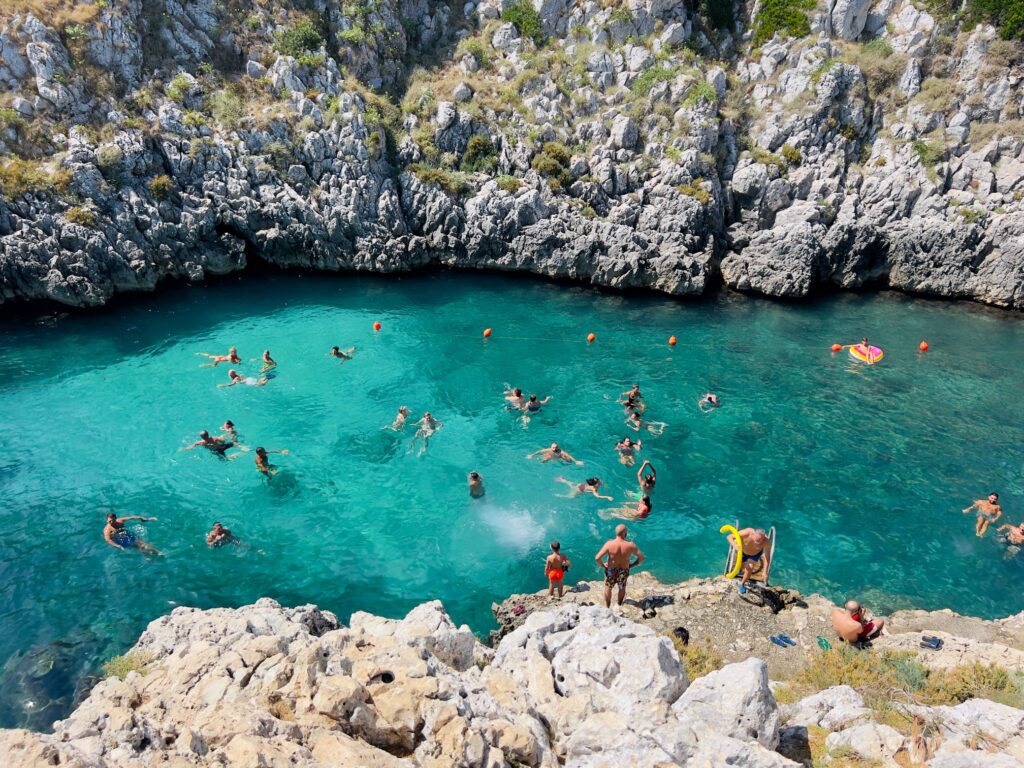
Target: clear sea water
862,470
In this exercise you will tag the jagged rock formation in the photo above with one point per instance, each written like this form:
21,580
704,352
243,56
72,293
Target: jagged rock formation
628,145
577,686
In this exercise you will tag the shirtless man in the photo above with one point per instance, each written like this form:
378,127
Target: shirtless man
399,423
627,451
708,402
988,512
633,400
555,566
263,463
428,425
553,453
616,570
591,486
116,535
342,356
1014,534
636,422
752,544
219,445
237,378
268,361
854,625
476,485
218,536
515,399
231,357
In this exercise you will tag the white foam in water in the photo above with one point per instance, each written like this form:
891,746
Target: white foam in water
513,527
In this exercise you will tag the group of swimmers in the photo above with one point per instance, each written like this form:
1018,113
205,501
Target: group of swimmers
989,511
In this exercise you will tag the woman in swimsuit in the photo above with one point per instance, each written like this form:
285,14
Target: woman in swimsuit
342,356
228,428
553,453
399,423
627,451
636,422
237,378
263,463
268,361
591,486
626,512
633,400
646,482
231,357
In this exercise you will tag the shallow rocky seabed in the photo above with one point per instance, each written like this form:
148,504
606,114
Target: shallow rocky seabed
696,159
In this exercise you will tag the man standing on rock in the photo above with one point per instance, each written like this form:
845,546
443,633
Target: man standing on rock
616,570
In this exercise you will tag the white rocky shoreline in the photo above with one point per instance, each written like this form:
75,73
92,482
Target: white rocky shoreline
629,147
573,685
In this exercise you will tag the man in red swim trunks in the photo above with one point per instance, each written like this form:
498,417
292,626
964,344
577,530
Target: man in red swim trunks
555,566
616,571
854,625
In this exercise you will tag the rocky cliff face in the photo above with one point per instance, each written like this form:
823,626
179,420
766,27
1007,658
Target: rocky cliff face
775,146
576,686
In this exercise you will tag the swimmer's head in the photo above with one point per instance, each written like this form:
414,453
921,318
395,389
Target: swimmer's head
649,479
204,434
627,441
233,374
621,531
555,546
426,415
759,531
533,398
266,353
474,475
993,497
864,341
517,392
111,517
335,349
404,410
233,351
229,423
555,448
634,416
594,482
261,452
646,501
217,526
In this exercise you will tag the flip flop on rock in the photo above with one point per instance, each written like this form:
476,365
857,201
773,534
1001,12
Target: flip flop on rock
931,643
778,641
787,639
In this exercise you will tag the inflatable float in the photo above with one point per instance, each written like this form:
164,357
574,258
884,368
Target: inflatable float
761,575
876,354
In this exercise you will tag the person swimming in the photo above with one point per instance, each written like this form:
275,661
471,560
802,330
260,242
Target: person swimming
633,400
645,481
636,421
428,425
116,535
231,357
641,511
553,453
708,402
533,405
237,378
219,445
268,361
263,463
988,512
515,399
591,485
219,536
342,356
476,485
627,451
399,423
228,428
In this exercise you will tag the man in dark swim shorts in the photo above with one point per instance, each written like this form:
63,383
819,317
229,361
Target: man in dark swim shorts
116,535
616,570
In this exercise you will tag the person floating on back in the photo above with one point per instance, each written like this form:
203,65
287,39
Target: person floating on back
237,378
855,625
627,451
619,552
116,535
555,567
218,445
553,453
231,357
428,426
988,512
636,421
752,549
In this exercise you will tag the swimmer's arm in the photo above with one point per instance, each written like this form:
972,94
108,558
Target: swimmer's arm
281,451
110,541
570,457
972,507
632,425
606,498
219,386
535,453
136,517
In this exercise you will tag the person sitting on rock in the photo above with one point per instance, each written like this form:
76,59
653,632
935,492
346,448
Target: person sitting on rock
855,625
555,566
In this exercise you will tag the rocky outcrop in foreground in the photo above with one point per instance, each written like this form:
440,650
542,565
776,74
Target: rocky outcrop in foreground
773,147
576,685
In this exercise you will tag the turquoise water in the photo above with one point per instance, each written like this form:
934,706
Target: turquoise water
862,470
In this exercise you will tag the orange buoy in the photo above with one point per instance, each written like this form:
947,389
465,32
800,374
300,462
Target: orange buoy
487,333
671,341
837,347
376,326
591,338
923,346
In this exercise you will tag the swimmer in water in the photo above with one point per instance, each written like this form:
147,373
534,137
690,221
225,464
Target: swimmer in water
231,357
636,421
268,361
342,356
533,405
263,463
428,425
116,535
708,402
627,451
219,536
237,378
399,423
1014,536
988,512
476,485
553,453
515,399
591,486
633,400
646,481
228,428
627,512
219,445
865,349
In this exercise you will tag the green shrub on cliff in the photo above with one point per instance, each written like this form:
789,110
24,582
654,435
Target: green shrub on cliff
120,666
451,182
480,155
552,162
787,17
160,187
526,21
85,217
300,38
